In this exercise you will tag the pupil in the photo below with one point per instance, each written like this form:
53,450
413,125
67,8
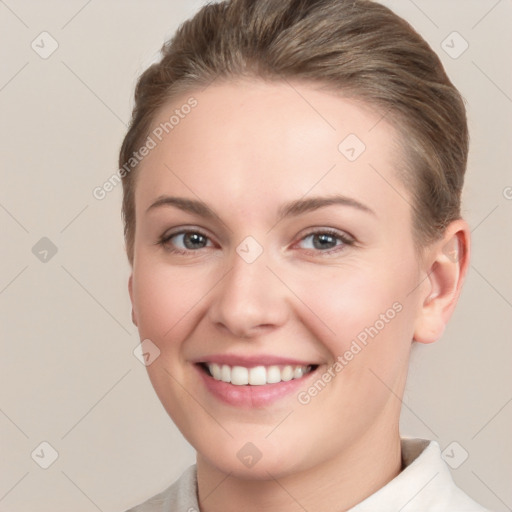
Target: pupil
326,241
192,239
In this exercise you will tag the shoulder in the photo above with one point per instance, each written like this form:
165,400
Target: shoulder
424,485
180,496
443,494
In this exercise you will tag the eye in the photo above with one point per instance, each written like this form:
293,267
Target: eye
184,242
326,241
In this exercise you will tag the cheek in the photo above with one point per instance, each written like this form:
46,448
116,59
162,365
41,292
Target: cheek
349,300
164,296
370,320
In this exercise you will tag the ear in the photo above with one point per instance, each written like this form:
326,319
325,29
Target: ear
446,265
130,291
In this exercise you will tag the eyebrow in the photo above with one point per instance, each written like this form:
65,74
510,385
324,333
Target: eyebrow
187,205
300,206
291,209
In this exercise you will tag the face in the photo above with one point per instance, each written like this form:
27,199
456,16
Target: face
274,249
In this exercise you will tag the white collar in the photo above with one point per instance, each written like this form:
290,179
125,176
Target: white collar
425,484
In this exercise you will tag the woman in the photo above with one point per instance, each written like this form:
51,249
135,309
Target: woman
292,182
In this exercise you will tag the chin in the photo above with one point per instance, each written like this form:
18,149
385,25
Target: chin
253,461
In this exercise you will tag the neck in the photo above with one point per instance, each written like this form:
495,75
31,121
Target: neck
337,484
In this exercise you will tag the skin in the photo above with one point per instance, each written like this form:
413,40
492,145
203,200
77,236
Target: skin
245,150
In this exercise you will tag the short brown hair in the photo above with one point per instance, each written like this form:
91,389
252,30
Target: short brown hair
357,47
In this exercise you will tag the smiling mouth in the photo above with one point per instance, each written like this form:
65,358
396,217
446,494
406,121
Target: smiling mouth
255,375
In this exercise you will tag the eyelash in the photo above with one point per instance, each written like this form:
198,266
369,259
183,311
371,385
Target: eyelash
346,241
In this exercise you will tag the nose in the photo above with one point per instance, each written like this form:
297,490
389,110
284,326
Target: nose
250,300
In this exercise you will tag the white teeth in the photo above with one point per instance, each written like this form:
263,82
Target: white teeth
287,373
225,373
273,375
257,375
216,371
239,376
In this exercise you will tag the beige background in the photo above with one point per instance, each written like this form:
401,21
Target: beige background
69,376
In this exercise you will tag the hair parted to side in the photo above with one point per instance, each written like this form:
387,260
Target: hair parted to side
359,48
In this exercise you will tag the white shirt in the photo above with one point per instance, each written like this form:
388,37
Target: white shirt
425,484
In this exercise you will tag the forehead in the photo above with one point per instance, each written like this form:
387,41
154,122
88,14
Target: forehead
254,140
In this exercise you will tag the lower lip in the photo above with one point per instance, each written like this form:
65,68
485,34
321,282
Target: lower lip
248,396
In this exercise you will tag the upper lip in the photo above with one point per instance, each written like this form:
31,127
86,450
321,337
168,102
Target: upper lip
250,361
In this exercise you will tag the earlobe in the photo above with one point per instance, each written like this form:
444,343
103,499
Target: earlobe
130,291
447,264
